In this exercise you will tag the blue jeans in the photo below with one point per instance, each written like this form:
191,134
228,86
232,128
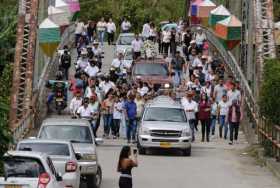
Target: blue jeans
192,126
213,124
131,129
178,77
101,35
223,124
108,119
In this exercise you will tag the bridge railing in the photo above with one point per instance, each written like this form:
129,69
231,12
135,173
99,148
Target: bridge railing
22,128
265,130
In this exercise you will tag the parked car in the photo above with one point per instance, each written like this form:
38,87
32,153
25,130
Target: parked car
23,169
164,125
62,155
154,71
80,133
123,42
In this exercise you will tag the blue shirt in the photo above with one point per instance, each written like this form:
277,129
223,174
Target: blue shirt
131,109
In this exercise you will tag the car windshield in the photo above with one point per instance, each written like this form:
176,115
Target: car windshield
22,167
150,69
78,134
125,40
165,114
128,55
49,148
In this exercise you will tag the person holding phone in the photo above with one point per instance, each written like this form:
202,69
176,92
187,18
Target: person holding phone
127,161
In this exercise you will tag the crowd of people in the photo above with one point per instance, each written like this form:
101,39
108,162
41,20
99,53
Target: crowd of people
208,95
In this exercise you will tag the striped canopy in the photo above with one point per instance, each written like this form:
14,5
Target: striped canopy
74,5
205,8
58,16
63,6
229,28
218,14
194,7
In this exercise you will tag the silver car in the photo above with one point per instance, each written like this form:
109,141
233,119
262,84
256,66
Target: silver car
123,42
24,169
164,125
80,133
62,155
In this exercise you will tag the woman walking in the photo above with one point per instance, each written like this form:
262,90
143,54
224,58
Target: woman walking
204,113
127,161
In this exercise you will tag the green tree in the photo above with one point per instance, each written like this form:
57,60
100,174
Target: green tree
270,91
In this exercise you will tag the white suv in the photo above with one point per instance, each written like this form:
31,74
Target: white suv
24,169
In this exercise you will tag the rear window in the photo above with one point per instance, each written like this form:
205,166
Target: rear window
23,167
49,148
153,69
125,40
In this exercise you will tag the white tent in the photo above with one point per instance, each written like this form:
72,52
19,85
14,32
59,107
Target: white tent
62,5
58,16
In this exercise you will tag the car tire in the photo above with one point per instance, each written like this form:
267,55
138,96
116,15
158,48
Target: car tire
187,152
97,178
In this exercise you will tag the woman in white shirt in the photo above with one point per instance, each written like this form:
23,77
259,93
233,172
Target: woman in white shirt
111,29
223,108
166,36
117,116
101,28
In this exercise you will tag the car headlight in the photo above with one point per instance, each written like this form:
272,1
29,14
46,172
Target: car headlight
144,131
166,85
90,157
186,133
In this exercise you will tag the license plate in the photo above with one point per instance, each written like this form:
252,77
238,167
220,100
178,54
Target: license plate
165,144
13,186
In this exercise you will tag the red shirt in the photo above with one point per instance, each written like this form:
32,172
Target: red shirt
204,111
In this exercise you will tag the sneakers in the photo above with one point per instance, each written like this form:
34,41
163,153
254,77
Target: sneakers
230,143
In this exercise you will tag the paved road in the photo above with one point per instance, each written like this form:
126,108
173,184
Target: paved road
213,165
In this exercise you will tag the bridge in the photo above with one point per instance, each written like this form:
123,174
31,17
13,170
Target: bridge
27,104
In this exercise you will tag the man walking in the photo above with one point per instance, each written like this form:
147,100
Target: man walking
130,113
111,29
137,44
65,62
234,117
178,66
125,26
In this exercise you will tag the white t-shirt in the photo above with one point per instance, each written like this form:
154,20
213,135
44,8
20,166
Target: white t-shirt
106,86
146,30
189,106
223,106
101,26
125,25
220,91
144,90
79,27
111,27
85,112
116,63
92,71
117,113
199,38
82,63
234,95
75,104
137,45
166,35
206,90
196,62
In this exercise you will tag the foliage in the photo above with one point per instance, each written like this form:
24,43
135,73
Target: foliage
276,10
137,11
8,20
270,91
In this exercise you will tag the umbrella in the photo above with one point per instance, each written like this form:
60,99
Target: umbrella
49,37
229,28
169,26
218,14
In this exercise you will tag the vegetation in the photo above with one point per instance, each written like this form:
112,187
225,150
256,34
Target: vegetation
276,10
8,20
137,11
270,90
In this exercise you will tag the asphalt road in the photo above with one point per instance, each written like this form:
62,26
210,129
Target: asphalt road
212,165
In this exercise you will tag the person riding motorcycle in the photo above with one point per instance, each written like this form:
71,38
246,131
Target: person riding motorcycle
98,54
58,90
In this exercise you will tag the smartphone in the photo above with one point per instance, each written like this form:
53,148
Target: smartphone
135,151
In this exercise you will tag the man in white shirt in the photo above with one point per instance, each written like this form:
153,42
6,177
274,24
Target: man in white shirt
146,31
92,69
117,62
75,104
106,85
79,29
82,62
85,111
200,37
137,45
125,26
101,28
223,107
111,29
166,36
219,90
191,107
234,94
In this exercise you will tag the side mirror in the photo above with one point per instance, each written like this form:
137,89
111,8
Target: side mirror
78,156
99,141
59,177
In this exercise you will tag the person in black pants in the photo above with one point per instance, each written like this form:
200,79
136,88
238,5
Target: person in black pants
125,166
234,117
65,62
204,112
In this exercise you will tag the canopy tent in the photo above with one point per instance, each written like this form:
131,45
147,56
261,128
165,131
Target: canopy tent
49,37
194,7
58,16
205,8
63,6
229,28
74,7
229,44
218,14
